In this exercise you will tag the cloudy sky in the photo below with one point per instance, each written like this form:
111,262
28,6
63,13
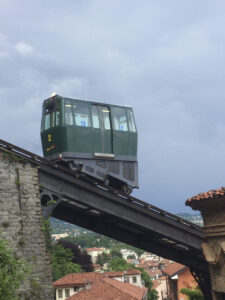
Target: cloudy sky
165,58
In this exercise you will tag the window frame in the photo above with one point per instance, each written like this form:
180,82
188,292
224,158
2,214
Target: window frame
52,114
67,293
114,117
89,114
60,295
68,113
131,119
97,111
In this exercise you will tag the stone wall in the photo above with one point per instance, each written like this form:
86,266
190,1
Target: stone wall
21,223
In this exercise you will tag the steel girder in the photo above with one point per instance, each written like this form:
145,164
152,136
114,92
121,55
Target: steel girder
99,210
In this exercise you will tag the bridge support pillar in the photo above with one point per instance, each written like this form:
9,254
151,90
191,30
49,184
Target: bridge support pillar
212,208
21,224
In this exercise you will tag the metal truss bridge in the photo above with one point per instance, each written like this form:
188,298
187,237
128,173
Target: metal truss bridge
99,208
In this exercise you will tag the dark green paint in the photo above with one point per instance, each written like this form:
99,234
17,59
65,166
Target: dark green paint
68,138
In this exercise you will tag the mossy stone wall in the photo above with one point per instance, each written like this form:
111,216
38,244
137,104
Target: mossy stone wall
21,224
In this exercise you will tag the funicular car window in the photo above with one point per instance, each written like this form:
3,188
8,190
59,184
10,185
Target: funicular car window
119,119
68,113
105,118
57,114
95,117
49,115
132,127
82,115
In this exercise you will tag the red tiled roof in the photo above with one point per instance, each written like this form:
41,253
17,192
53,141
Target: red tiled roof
78,279
133,272
173,269
207,195
94,249
131,260
153,273
83,278
121,273
161,278
130,289
110,289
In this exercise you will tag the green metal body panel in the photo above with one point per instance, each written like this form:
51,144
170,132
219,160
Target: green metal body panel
78,139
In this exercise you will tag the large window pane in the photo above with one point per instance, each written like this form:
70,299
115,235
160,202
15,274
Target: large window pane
95,117
82,116
68,113
57,114
119,119
131,121
105,118
49,115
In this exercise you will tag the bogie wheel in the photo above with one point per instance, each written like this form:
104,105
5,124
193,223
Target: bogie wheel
74,166
127,189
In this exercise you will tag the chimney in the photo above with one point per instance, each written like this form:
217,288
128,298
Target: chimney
88,285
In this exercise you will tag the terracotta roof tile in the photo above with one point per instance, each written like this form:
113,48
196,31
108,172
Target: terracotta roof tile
153,273
78,279
94,249
82,278
162,278
120,273
110,289
130,289
133,272
207,195
173,269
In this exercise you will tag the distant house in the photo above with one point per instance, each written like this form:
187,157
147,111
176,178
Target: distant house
112,289
131,276
125,253
74,283
94,252
160,285
98,268
154,273
147,256
59,236
133,261
178,277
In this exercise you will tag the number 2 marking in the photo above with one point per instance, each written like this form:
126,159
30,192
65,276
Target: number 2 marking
49,137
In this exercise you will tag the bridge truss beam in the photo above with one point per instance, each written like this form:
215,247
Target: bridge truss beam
122,218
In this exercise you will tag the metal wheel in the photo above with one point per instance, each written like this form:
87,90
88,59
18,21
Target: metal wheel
127,189
74,166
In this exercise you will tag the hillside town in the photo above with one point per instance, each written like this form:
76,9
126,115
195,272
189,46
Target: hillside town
118,272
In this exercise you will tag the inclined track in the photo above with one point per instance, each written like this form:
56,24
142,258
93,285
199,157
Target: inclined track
38,160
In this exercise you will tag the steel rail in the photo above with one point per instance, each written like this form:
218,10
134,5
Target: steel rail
40,161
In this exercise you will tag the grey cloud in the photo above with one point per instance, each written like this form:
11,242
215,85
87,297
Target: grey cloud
166,59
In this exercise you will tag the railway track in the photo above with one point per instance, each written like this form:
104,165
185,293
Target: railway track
42,162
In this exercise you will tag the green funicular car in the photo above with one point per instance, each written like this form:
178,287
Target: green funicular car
97,139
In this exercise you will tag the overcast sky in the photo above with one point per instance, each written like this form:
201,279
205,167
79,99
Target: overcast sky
164,58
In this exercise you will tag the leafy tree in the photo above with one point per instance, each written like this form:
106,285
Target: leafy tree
62,262
115,254
193,294
152,293
102,258
79,257
91,239
12,272
119,264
